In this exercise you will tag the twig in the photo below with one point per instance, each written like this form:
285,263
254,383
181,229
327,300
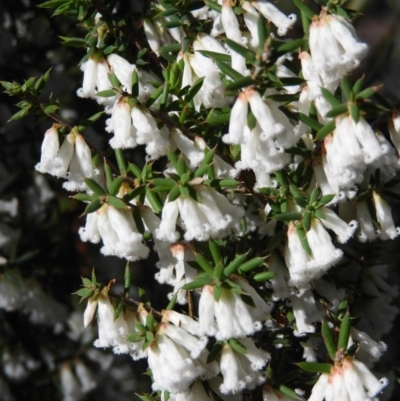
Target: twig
131,301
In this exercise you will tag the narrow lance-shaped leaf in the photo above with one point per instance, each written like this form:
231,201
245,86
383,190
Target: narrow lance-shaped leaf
127,279
234,265
315,367
323,132
328,340
194,89
344,333
251,264
94,186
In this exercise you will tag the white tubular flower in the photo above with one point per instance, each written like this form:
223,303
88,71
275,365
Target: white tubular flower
121,125
113,332
394,130
167,229
320,387
271,13
385,219
187,147
367,230
324,253
50,147
305,312
345,161
89,69
369,351
323,183
147,133
209,219
237,120
241,371
335,48
251,20
123,70
211,44
332,221
230,22
151,35
229,317
172,367
90,310
129,244
91,231
296,258
273,122
232,30
360,383
194,345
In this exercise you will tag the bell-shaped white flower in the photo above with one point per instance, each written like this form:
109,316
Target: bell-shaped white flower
230,317
239,370
121,124
367,229
123,71
152,36
112,332
49,151
169,359
271,13
251,20
385,219
335,47
187,147
332,221
394,130
237,120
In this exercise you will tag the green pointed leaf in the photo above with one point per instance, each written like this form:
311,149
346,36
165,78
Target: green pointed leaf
251,264
144,298
315,194
215,118
264,276
215,251
127,279
304,8
228,183
262,34
106,93
248,54
217,291
344,333
346,88
303,238
93,206
315,367
355,113
154,96
118,309
240,83
286,217
226,69
154,200
326,130
332,99
307,220
237,346
174,193
204,264
194,89
116,202
315,125
291,45
336,111
234,265
84,292
173,301
134,338
328,340
200,282
326,199
150,322
213,5
134,193
226,58
119,155
367,93
84,197
115,185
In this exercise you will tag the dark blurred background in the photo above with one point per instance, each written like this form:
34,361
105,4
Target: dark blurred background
29,46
